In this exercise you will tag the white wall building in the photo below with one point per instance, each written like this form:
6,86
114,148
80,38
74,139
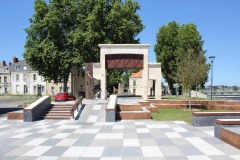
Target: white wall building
136,84
24,80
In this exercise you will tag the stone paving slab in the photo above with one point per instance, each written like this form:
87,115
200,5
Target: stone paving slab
92,139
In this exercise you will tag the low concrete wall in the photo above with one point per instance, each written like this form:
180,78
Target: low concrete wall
200,119
35,110
111,109
224,123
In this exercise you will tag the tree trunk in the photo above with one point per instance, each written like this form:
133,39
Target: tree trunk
189,99
65,80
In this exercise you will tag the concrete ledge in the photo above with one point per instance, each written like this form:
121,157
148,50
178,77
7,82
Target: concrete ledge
207,118
231,136
15,115
35,110
222,123
111,109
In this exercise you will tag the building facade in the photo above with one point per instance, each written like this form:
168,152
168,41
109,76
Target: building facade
136,84
19,78
5,79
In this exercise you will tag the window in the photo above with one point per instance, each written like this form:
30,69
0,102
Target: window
17,77
5,79
52,90
35,89
134,91
17,89
34,77
24,77
0,79
134,83
61,89
5,90
81,87
43,89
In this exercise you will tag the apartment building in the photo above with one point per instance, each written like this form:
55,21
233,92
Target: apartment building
5,79
19,78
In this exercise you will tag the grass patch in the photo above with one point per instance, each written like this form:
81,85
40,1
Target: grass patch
180,114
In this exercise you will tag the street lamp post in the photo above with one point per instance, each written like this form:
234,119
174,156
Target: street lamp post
211,60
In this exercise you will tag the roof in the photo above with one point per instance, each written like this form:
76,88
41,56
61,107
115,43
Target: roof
136,75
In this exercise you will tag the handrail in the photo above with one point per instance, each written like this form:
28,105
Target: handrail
76,104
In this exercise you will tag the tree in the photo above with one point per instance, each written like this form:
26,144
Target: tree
65,33
192,70
173,41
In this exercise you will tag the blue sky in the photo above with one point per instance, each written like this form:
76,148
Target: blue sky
217,21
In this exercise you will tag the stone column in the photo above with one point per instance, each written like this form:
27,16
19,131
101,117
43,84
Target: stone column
158,88
103,76
145,76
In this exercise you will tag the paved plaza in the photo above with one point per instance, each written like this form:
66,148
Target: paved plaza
90,138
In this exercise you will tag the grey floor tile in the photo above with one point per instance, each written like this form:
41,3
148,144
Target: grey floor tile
50,142
55,151
6,149
130,135
144,135
190,150
98,142
114,143
222,157
18,151
8,157
164,142
26,158
176,158
112,152
179,141
148,142
132,152
171,151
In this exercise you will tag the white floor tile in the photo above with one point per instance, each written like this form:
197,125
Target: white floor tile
204,147
131,142
198,158
151,151
139,123
142,130
36,142
111,158
157,126
180,129
37,151
97,107
92,119
235,157
118,127
173,135
66,142
61,135
74,152
21,135
47,158
45,130
115,136
93,152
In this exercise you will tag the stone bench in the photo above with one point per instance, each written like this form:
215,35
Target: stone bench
223,123
231,135
207,118
144,113
15,115
111,109
35,110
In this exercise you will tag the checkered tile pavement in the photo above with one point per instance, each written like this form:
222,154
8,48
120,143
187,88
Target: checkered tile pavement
90,138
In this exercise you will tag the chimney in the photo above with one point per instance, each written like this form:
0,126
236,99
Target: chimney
10,63
4,63
15,59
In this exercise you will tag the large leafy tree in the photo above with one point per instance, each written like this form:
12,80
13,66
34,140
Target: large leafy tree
173,41
65,33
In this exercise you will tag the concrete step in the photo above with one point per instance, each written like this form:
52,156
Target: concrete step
57,117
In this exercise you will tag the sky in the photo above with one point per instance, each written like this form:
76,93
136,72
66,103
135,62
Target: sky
218,22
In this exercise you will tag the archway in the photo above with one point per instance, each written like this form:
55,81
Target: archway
127,56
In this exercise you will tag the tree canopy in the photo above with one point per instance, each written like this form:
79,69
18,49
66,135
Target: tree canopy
65,33
173,42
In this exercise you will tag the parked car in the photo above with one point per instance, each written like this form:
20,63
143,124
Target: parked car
64,97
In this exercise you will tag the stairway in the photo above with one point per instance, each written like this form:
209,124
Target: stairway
59,112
